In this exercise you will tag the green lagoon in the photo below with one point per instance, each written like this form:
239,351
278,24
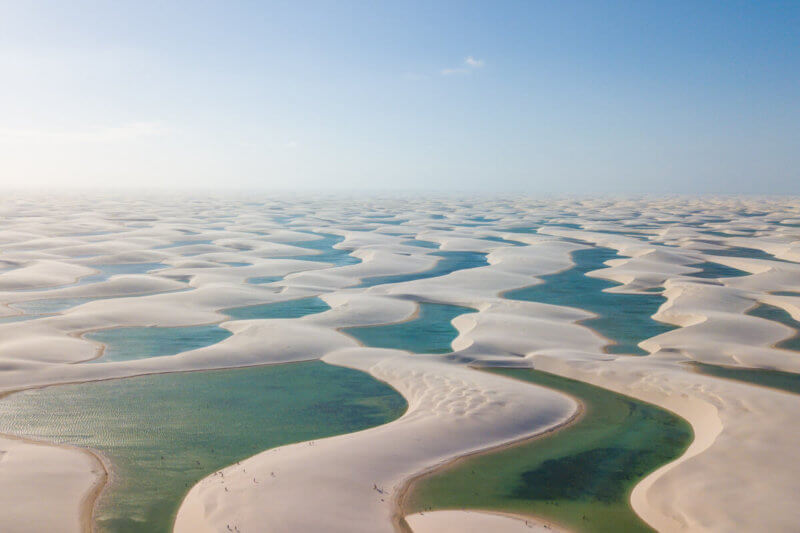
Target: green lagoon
580,477
777,314
624,319
325,245
775,379
288,309
430,331
125,344
163,433
711,270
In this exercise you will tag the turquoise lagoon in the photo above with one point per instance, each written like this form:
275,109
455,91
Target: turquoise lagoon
421,243
625,319
326,245
288,309
124,344
163,433
430,331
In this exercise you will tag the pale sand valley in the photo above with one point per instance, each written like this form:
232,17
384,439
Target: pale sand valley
429,364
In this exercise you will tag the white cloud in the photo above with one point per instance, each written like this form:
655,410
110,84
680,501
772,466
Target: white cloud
474,63
470,63
104,134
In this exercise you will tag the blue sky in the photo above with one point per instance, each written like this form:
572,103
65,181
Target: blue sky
555,97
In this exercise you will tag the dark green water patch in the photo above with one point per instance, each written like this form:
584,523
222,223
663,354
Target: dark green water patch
502,240
776,314
625,319
164,433
259,280
288,309
717,233
183,278
569,225
421,244
786,293
450,262
284,219
740,251
580,477
775,379
430,331
711,270
125,344
521,229
643,226
469,224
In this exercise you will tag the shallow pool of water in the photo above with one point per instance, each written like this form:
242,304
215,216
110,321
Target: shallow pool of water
775,379
125,344
288,309
711,270
325,245
624,319
786,293
421,244
740,251
430,331
163,433
580,477
260,280
502,240
522,229
777,314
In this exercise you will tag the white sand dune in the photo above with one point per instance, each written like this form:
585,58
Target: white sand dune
42,274
475,522
46,487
